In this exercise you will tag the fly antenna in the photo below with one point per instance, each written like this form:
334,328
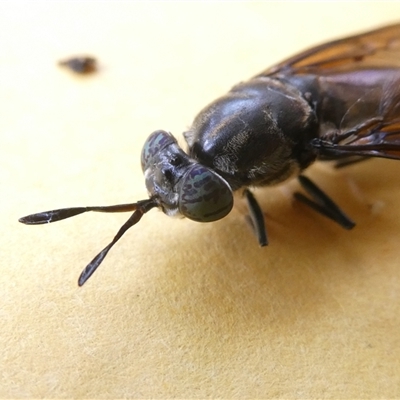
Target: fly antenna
46,217
133,219
140,208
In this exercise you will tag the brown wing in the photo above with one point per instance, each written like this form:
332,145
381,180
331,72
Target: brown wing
374,49
383,144
378,135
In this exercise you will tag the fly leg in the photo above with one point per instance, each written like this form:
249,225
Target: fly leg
322,203
256,218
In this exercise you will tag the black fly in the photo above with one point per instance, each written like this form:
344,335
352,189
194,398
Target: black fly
337,101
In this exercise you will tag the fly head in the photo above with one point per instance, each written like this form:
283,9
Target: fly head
180,185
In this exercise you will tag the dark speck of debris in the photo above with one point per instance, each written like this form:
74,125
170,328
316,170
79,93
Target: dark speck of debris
80,65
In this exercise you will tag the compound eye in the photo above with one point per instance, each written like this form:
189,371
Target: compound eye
204,196
157,141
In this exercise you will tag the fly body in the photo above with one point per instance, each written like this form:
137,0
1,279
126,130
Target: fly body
250,139
337,101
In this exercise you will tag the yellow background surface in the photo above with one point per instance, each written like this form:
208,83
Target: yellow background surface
180,309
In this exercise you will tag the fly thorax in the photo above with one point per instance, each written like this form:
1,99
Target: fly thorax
250,136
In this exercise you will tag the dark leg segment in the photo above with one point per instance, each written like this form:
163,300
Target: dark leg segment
256,218
322,203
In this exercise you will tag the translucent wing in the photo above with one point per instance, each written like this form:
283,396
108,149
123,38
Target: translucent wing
371,125
374,49
382,142
376,132
368,128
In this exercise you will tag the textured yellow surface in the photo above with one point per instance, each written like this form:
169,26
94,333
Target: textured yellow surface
179,309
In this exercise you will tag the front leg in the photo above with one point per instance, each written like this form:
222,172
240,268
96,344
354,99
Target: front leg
256,218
